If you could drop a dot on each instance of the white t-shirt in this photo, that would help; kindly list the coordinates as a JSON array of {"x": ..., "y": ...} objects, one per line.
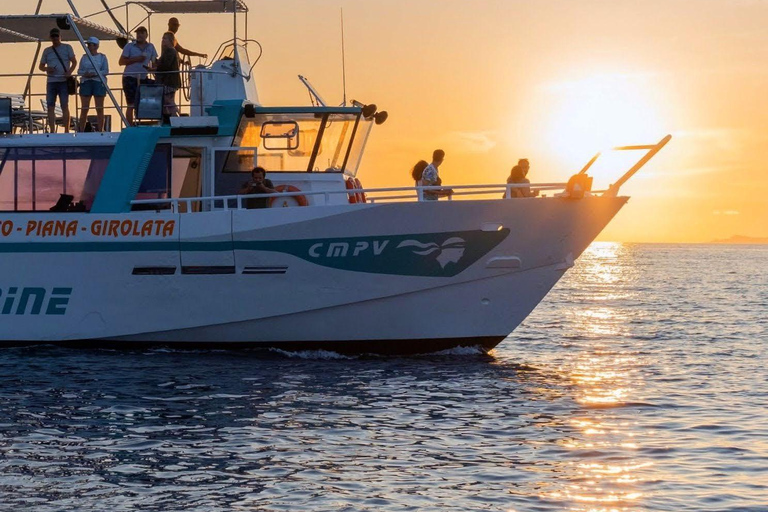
[
  {"x": 136, "y": 69},
  {"x": 86, "y": 67},
  {"x": 50, "y": 59}
]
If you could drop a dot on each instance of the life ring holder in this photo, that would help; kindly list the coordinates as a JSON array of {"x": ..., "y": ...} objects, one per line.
[{"x": 302, "y": 200}]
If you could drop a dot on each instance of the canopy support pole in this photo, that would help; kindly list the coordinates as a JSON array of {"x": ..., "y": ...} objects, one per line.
[
  {"x": 28, "y": 87},
  {"x": 98, "y": 71},
  {"x": 114, "y": 18},
  {"x": 74, "y": 9}
]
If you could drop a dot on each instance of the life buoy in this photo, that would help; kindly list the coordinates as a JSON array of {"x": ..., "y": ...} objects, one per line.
[
  {"x": 360, "y": 195},
  {"x": 287, "y": 201},
  {"x": 350, "y": 184}
]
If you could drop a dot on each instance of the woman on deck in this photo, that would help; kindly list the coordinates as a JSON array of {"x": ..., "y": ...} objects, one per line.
[
  {"x": 91, "y": 84},
  {"x": 168, "y": 73}
]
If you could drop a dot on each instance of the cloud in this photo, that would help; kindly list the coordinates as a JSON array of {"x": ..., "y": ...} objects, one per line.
[{"x": 471, "y": 142}]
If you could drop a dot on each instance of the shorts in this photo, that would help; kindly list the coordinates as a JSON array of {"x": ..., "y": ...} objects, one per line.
[
  {"x": 93, "y": 88},
  {"x": 131, "y": 88},
  {"x": 53, "y": 89}
]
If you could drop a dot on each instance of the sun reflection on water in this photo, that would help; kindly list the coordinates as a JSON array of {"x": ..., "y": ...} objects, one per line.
[{"x": 602, "y": 472}]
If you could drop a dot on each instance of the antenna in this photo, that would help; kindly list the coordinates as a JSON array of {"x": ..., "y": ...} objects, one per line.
[
  {"x": 343, "y": 61},
  {"x": 314, "y": 95}
]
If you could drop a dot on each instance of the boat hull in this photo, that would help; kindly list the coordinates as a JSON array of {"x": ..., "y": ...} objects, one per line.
[{"x": 383, "y": 278}]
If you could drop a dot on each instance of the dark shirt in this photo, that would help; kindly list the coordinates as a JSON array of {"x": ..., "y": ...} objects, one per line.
[
  {"x": 169, "y": 61},
  {"x": 256, "y": 202}
]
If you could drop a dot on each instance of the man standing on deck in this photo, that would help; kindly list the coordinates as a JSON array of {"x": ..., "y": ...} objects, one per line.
[
  {"x": 173, "y": 26},
  {"x": 430, "y": 177},
  {"x": 137, "y": 57},
  {"x": 59, "y": 62}
]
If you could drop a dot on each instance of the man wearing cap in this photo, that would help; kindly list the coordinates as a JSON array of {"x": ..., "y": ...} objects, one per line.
[
  {"x": 59, "y": 62},
  {"x": 173, "y": 26},
  {"x": 137, "y": 57},
  {"x": 92, "y": 65}
]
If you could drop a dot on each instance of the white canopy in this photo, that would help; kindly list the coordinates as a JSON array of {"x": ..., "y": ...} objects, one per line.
[
  {"x": 191, "y": 6},
  {"x": 36, "y": 27}
]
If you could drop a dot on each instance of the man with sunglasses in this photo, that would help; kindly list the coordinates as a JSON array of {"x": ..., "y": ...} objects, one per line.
[{"x": 59, "y": 62}]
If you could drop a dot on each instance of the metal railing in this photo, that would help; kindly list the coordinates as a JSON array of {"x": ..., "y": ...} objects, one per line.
[
  {"x": 33, "y": 118},
  {"x": 499, "y": 191}
]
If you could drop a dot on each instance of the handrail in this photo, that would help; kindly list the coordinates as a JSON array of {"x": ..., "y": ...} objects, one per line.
[
  {"x": 238, "y": 198},
  {"x": 35, "y": 119}
]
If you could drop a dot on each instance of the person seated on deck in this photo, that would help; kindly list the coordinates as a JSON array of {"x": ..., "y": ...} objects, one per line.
[
  {"x": 258, "y": 184},
  {"x": 518, "y": 175}
]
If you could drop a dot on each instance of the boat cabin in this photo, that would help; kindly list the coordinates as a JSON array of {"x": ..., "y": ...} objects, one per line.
[{"x": 306, "y": 151}]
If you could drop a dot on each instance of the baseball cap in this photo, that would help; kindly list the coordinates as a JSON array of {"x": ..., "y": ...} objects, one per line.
[
  {"x": 93, "y": 40},
  {"x": 173, "y": 21},
  {"x": 142, "y": 29},
  {"x": 54, "y": 32}
]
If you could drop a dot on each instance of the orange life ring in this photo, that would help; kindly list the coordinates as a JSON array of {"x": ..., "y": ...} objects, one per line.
[
  {"x": 301, "y": 200},
  {"x": 350, "y": 185},
  {"x": 360, "y": 195}
]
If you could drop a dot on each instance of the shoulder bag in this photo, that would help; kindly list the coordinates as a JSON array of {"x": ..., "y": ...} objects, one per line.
[{"x": 71, "y": 81}]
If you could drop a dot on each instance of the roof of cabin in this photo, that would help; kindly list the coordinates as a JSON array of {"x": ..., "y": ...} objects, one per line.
[{"x": 190, "y": 6}]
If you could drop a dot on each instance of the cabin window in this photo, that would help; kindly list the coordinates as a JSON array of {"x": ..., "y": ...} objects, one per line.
[
  {"x": 291, "y": 142},
  {"x": 33, "y": 178},
  {"x": 356, "y": 149}
]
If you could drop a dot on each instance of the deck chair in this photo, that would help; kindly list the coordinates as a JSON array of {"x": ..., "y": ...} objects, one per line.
[
  {"x": 24, "y": 120},
  {"x": 60, "y": 115}
]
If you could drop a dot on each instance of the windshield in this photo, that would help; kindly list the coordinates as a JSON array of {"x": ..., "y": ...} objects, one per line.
[{"x": 297, "y": 142}]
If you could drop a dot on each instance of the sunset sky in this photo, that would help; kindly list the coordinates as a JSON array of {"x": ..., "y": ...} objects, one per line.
[{"x": 554, "y": 81}]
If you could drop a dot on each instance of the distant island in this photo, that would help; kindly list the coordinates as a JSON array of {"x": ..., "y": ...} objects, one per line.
[{"x": 740, "y": 239}]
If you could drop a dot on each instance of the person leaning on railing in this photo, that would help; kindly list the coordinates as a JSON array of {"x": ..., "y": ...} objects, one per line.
[{"x": 91, "y": 84}]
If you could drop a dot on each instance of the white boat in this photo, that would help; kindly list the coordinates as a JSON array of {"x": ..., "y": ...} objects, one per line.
[{"x": 155, "y": 246}]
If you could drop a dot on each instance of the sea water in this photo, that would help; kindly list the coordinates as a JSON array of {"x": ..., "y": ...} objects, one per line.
[{"x": 640, "y": 383}]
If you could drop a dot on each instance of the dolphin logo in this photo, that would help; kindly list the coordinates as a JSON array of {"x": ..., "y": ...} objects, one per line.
[{"x": 450, "y": 251}]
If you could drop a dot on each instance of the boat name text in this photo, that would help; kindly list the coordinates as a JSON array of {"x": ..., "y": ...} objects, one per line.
[
  {"x": 341, "y": 249},
  {"x": 112, "y": 228},
  {"x": 34, "y": 301}
]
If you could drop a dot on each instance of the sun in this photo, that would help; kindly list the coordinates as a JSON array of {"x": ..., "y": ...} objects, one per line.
[{"x": 599, "y": 112}]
